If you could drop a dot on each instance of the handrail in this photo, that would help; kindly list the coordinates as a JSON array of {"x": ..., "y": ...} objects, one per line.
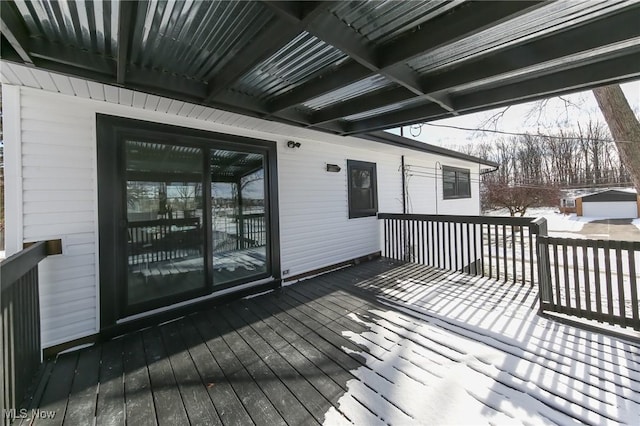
[
  {"x": 493, "y": 246},
  {"x": 21, "y": 351},
  {"x": 477, "y": 220},
  {"x": 18, "y": 264}
]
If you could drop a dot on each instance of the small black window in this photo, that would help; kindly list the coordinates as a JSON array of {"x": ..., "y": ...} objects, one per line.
[
  {"x": 363, "y": 189},
  {"x": 456, "y": 183}
]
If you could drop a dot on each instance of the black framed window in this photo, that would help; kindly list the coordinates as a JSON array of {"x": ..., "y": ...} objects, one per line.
[
  {"x": 363, "y": 189},
  {"x": 456, "y": 183}
]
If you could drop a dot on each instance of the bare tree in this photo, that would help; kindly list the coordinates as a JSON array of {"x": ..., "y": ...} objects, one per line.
[
  {"x": 624, "y": 127},
  {"x": 519, "y": 198}
]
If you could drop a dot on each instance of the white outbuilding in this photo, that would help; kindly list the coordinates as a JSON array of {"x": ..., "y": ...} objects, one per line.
[{"x": 611, "y": 204}]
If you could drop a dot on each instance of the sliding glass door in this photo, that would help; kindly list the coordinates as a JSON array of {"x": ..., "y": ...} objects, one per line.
[{"x": 183, "y": 214}]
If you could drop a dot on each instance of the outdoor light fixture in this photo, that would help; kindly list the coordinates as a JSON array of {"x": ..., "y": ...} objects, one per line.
[
  {"x": 292, "y": 144},
  {"x": 333, "y": 168}
]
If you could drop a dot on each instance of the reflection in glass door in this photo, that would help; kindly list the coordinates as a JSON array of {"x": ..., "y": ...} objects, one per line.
[
  {"x": 239, "y": 225},
  {"x": 165, "y": 233}
]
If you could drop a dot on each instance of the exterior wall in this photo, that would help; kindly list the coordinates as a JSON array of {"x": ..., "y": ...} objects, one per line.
[
  {"x": 567, "y": 210},
  {"x": 315, "y": 227},
  {"x": 424, "y": 186},
  {"x": 53, "y": 138},
  {"x": 579, "y": 206}
]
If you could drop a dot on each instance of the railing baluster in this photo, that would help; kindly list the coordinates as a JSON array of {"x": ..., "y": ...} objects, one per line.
[
  {"x": 396, "y": 239},
  {"x": 391, "y": 238},
  {"x": 432, "y": 239},
  {"x": 558, "y": 301},
  {"x": 633, "y": 282},
  {"x": 565, "y": 262},
  {"x": 424, "y": 243},
  {"x": 596, "y": 272},
  {"x": 441, "y": 240},
  {"x": 607, "y": 265},
  {"x": 576, "y": 280},
  {"x": 482, "y": 248},
  {"x": 385, "y": 223},
  {"x": 448, "y": 261},
  {"x": 456, "y": 248},
  {"x": 468, "y": 240},
  {"x": 497, "y": 235},
  {"x": 504, "y": 253},
  {"x": 522, "y": 254},
  {"x": 513, "y": 253},
  {"x": 621, "y": 292},
  {"x": 531, "y": 258},
  {"x": 475, "y": 250},
  {"x": 417, "y": 242},
  {"x": 585, "y": 270},
  {"x": 490, "y": 250}
]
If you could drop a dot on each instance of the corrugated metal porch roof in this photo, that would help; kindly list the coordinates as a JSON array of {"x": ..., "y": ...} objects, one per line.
[{"x": 344, "y": 67}]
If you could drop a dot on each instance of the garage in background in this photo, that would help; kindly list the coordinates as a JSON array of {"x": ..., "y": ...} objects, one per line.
[{"x": 611, "y": 204}]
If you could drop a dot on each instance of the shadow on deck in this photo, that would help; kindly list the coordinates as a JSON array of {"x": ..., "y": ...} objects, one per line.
[{"x": 380, "y": 342}]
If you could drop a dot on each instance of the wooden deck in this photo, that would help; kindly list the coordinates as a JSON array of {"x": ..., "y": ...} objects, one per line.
[{"x": 378, "y": 343}]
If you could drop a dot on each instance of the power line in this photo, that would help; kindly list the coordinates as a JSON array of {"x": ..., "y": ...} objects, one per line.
[
  {"x": 502, "y": 132},
  {"x": 526, "y": 182}
]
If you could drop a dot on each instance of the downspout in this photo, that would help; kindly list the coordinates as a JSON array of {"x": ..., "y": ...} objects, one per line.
[
  {"x": 404, "y": 186},
  {"x": 436, "y": 167},
  {"x": 405, "y": 246}
]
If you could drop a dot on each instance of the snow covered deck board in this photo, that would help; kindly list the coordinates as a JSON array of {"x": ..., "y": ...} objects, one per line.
[{"x": 378, "y": 343}]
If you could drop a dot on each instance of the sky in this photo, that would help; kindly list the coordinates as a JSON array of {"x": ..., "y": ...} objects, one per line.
[{"x": 515, "y": 119}]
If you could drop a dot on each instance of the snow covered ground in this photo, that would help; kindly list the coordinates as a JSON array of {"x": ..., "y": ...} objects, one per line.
[
  {"x": 558, "y": 224},
  {"x": 464, "y": 350}
]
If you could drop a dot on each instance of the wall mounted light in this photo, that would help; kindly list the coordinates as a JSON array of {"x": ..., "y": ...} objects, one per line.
[
  {"x": 292, "y": 144},
  {"x": 333, "y": 168}
]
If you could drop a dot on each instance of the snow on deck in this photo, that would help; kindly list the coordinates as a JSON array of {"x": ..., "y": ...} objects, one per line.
[
  {"x": 377, "y": 343},
  {"x": 456, "y": 349}
]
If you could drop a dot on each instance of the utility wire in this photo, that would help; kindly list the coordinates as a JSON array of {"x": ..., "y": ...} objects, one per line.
[
  {"x": 528, "y": 182},
  {"x": 502, "y": 132}
]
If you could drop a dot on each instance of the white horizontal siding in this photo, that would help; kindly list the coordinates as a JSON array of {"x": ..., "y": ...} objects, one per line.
[
  {"x": 314, "y": 218},
  {"x": 59, "y": 196},
  {"x": 424, "y": 186}
]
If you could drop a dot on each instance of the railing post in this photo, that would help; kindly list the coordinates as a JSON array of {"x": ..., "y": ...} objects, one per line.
[{"x": 544, "y": 265}]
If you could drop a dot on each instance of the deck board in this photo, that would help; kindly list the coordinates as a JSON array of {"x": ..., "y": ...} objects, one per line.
[
  {"x": 82, "y": 401},
  {"x": 327, "y": 375},
  {"x": 319, "y": 387},
  {"x": 198, "y": 405},
  {"x": 261, "y": 411},
  {"x": 355, "y": 345},
  {"x": 227, "y": 404},
  {"x": 56, "y": 394},
  {"x": 262, "y": 370},
  {"x": 166, "y": 396},
  {"x": 139, "y": 404},
  {"x": 110, "y": 409},
  {"x": 293, "y": 379}
]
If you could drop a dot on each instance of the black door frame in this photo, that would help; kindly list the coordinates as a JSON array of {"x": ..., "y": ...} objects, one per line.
[{"x": 111, "y": 131}]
